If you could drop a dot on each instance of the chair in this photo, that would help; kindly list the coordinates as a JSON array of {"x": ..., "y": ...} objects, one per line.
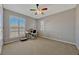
[{"x": 33, "y": 34}]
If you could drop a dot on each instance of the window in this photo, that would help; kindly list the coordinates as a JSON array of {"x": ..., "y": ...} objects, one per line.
[
  {"x": 17, "y": 26},
  {"x": 21, "y": 27},
  {"x": 13, "y": 27}
]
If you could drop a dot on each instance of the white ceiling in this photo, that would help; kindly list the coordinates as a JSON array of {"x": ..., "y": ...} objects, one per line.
[{"x": 52, "y": 9}]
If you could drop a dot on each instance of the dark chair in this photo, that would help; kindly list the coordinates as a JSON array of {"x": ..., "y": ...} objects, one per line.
[{"x": 34, "y": 31}]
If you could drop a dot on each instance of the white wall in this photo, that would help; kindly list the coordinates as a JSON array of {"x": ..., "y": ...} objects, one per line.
[
  {"x": 60, "y": 26},
  {"x": 1, "y": 24},
  {"x": 77, "y": 26}
]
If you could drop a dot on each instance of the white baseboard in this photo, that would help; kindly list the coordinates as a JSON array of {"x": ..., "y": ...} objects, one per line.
[
  {"x": 58, "y": 40},
  {"x": 11, "y": 41},
  {"x": 47, "y": 38}
]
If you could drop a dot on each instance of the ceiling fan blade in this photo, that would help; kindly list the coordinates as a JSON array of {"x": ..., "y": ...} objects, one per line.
[
  {"x": 32, "y": 9},
  {"x": 44, "y": 9}
]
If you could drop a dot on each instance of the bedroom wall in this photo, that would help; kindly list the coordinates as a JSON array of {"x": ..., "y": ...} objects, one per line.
[
  {"x": 60, "y": 26},
  {"x": 1, "y": 28},
  {"x": 30, "y": 23},
  {"x": 77, "y": 26}
]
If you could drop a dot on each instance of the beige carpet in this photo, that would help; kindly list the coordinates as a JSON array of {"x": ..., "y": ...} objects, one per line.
[{"x": 39, "y": 46}]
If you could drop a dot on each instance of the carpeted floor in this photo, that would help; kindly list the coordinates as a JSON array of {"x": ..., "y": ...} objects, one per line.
[{"x": 39, "y": 46}]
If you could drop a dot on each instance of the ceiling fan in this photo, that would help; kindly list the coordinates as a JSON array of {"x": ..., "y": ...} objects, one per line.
[{"x": 39, "y": 10}]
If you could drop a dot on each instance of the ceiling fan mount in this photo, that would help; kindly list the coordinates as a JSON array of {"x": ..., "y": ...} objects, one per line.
[{"x": 37, "y": 5}]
